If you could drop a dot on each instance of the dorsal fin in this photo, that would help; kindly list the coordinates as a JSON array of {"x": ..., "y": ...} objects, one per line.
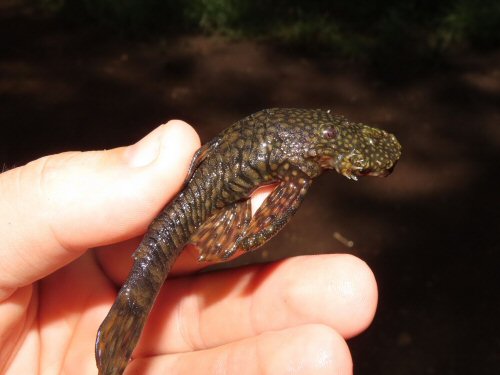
[{"x": 199, "y": 156}]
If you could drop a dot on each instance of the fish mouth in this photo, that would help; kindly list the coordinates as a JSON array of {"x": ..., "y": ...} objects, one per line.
[
  {"x": 353, "y": 165},
  {"x": 369, "y": 172}
]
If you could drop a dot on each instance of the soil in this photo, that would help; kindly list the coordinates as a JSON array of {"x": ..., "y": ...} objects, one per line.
[{"x": 428, "y": 231}]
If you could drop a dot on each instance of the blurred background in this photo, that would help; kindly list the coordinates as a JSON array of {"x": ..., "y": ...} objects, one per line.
[{"x": 95, "y": 74}]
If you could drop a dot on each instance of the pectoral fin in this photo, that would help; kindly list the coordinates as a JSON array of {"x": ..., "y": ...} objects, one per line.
[
  {"x": 275, "y": 211},
  {"x": 233, "y": 227},
  {"x": 217, "y": 238}
]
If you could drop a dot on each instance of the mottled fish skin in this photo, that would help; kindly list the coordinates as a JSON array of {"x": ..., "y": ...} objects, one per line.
[{"x": 289, "y": 147}]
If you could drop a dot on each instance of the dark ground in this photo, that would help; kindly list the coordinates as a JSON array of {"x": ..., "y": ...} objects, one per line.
[{"x": 428, "y": 231}]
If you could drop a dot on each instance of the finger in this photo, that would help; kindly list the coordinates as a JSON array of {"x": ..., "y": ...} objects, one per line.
[
  {"x": 116, "y": 259},
  {"x": 217, "y": 308},
  {"x": 306, "y": 349},
  {"x": 54, "y": 208}
]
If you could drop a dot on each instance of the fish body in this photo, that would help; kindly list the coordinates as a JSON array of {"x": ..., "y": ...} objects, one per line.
[{"x": 282, "y": 146}]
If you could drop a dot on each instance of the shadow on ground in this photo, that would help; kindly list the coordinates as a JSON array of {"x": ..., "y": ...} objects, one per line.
[{"x": 427, "y": 231}]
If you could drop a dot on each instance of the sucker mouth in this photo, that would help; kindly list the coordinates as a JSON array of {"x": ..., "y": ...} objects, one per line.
[
  {"x": 353, "y": 166},
  {"x": 343, "y": 165},
  {"x": 382, "y": 173}
]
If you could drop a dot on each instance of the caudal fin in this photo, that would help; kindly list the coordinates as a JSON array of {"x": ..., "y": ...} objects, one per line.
[
  {"x": 118, "y": 335},
  {"x": 120, "y": 331}
]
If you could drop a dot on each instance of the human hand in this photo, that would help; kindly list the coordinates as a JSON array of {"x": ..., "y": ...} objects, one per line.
[{"x": 291, "y": 316}]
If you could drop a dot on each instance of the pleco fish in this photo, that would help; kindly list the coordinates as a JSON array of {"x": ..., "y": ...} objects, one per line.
[{"x": 286, "y": 147}]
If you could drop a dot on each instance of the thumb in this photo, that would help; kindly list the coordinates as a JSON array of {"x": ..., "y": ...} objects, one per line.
[{"x": 56, "y": 207}]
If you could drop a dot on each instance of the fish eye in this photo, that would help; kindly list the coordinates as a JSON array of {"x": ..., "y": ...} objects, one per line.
[{"x": 330, "y": 133}]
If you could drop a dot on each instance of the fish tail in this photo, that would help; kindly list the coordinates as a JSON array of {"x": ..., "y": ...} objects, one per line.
[
  {"x": 120, "y": 331},
  {"x": 117, "y": 337}
]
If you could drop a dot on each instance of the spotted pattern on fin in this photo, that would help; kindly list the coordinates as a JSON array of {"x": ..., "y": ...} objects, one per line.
[
  {"x": 217, "y": 238},
  {"x": 276, "y": 210}
]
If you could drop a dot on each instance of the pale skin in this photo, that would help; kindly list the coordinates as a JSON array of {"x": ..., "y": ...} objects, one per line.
[{"x": 68, "y": 224}]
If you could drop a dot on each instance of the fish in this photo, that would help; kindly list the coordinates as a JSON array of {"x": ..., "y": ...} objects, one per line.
[{"x": 283, "y": 147}]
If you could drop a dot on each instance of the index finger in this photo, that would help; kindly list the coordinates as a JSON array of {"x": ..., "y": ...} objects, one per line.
[{"x": 53, "y": 209}]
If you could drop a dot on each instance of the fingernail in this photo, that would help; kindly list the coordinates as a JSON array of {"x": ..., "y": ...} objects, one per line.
[{"x": 145, "y": 151}]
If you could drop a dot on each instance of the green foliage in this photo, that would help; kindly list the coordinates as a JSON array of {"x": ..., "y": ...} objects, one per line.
[
  {"x": 360, "y": 29},
  {"x": 470, "y": 21},
  {"x": 214, "y": 15}
]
